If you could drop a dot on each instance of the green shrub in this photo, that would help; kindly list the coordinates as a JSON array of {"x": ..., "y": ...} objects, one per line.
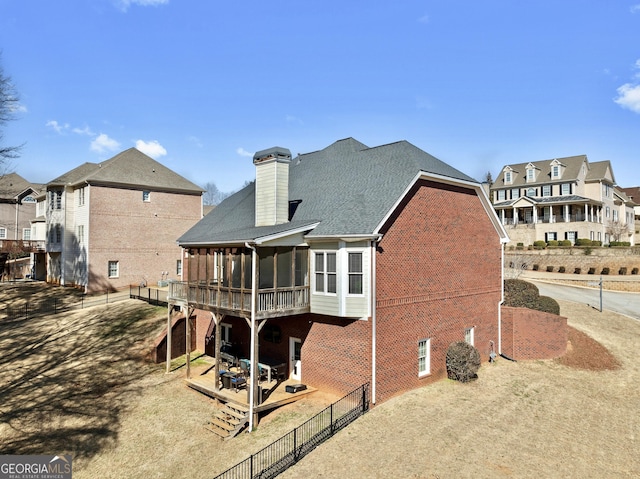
[
  {"x": 463, "y": 362},
  {"x": 619, "y": 243},
  {"x": 552, "y": 243},
  {"x": 634, "y": 271},
  {"x": 564, "y": 243},
  {"x": 535, "y": 267},
  {"x": 622, "y": 270},
  {"x": 539, "y": 244},
  {"x": 588, "y": 250},
  {"x": 583, "y": 242},
  {"x": 605, "y": 270},
  {"x": 592, "y": 271},
  {"x": 578, "y": 270},
  {"x": 596, "y": 243},
  {"x": 520, "y": 294},
  {"x": 561, "y": 269},
  {"x": 548, "y": 305},
  {"x": 520, "y": 244},
  {"x": 549, "y": 269}
]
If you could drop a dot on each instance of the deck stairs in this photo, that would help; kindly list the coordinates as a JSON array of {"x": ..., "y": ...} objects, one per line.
[{"x": 229, "y": 420}]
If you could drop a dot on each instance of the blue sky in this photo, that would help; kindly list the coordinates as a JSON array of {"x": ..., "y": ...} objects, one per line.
[{"x": 200, "y": 85}]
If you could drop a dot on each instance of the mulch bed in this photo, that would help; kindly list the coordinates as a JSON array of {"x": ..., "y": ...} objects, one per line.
[{"x": 584, "y": 352}]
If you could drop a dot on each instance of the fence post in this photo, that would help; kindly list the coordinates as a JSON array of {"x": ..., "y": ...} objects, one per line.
[
  {"x": 331, "y": 417},
  {"x": 295, "y": 445},
  {"x": 364, "y": 399},
  {"x": 107, "y": 296},
  {"x": 55, "y": 305}
]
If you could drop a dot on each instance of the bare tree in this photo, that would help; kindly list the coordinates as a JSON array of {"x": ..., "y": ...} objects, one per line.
[
  {"x": 9, "y": 104},
  {"x": 212, "y": 195},
  {"x": 515, "y": 263},
  {"x": 616, "y": 229}
]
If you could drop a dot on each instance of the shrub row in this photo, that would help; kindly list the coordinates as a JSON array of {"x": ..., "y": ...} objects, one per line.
[
  {"x": 521, "y": 294},
  {"x": 605, "y": 270}
]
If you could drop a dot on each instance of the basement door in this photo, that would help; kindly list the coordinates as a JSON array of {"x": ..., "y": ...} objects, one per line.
[{"x": 295, "y": 364}]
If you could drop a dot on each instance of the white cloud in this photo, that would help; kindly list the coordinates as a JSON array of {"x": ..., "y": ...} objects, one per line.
[
  {"x": 83, "y": 131},
  {"x": 57, "y": 127},
  {"x": 151, "y": 148},
  {"x": 242, "y": 152},
  {"x": 124, "y": 5},
  {"x": 102, "y": 143},
  {"x": 629, "y": 97},
  {"x": 635, "y": 8}
]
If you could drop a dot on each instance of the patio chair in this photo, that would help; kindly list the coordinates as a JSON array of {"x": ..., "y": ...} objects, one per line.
[{"x": 238, "y": 381}]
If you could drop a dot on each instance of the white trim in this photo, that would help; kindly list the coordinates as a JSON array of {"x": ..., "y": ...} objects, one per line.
[{"x": 427, "y": 357}]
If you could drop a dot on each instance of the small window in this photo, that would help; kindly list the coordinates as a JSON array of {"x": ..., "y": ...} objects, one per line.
[
  {"x": 546, "y": 190},
  {"x": 515, "y": 193},
  {"x": 80, "y": 234},
  {"x": 3, "y": 233},
  {"x": 555, "y": 171},
  {"x": 179, "y": 267},
  {"x": 615, "y": 215},
  {"x": 272, "y": 333},
  {"x": 507, "y": 177},
  {"x": 146, "y": 196},
  {"x": 355, "y": 273},
  {"x": 424, "y": 357},
  {"x": 81, "y": 196},
  {"x": 565, "y": 189},
  {"x": 607, "y": 212},
  {"x": 531, "y": 174},
  {"x": 58, "y": 234},
  {"x": 325, "y": 266},
  {"x": 114, "y": 269},
  {"x": 501, "y": 195},
  {"x": 26, "y": 234},
  {"x": 469, "y": 335},
  {"x": 531, "y": 192},
  {"x": 58, "y": 200}
]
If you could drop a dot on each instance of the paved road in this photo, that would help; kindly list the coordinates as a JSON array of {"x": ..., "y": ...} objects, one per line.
[{"x": 624, "y": 303}]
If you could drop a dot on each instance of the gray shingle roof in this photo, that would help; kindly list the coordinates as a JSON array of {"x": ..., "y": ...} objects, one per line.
[
  {"x": 128, "y": 168},
  {"x": 12, "y": 184},
  {"x": 347, "y": 188}
]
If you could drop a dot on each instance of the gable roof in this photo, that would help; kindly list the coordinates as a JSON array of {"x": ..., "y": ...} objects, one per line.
[
  {"x": 571, "y": 164},
  {"x": 12, "y": 186},
  {"x": 130, "y": 168},
  {"x": 345, "y": 189},
  {"x": 633, "y": 193}
]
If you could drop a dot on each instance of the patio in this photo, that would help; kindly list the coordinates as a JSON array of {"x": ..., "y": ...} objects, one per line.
[{"x": 274, "y": 391}]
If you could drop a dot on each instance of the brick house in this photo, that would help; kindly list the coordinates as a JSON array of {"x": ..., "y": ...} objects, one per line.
[
  {"x": 561, "y": 199},
  {"x": 17, "y": 210},
  {"x": 112, "y": 224},
  {"x": 349, "y": 264}
]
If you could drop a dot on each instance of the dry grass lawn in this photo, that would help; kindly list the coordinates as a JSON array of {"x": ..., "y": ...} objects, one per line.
[{"x": 76, "y": 383}]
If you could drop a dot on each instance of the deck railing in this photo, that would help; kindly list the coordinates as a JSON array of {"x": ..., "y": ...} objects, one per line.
[{"x": 239, "y": 299}]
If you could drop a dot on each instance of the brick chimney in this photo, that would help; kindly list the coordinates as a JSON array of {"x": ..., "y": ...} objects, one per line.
[{"x": 272, "y": 186}]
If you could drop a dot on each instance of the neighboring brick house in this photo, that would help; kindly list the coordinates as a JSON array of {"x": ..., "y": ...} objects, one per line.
[
  {"x": 17, "y": 209},
  {"x": 368, "y": 264},
  {"x": 560, "y": 199},
  {"x": 112, "y": 224}
]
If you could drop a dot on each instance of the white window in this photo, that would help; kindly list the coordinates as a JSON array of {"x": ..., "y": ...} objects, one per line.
[
  {"x": 146, "y": 196},
  {"x": 58, "y": 200},
  {"x": 546, "y": 190},
  {"x": 551, "y": 236},
  {"x": 515, "y": 193},
  {"x": 531, "y": 174},
  {"x": 80, "y": 234},
  {"x": 531, "y": 192},
  {"x": 615, "y": 215},
  {"x": 114, "y": 269},
  {"x": 571, "y": 236},
  {"x": 424, "y": 357},
  {"x": 81, "y": 196},
  {"x": 3, "y": 233},
  {"x": 502, "y": 195},
  {"x": 607, "y": 212},
  {"x": 26, "y": 234},
  {"x": 325, "y": 272},
  {"x": 555, "y": 171},
  {"x": 179, "y": 268},
  {"x": 355, "y": 273},
  {"x": 468, "y": 335},
  {"x": 507, "y": 177},
  {"x": 565, "y": 189}
]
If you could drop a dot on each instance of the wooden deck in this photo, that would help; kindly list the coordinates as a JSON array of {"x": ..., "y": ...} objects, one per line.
[{"x": 274, "y": 393}]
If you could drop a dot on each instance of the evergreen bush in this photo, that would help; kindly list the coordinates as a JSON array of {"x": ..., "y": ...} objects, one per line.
[{"x": 463, "y": 362}]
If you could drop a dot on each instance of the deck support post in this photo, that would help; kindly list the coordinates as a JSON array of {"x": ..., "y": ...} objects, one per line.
[
  {"x": 169, "y": 307},
  {"x": 188, "y": 339},
  {"x": 218, "y": 342}
]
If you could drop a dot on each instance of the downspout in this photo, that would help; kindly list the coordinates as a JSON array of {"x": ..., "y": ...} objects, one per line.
[
  {"x": 502, "y": 244},
  {"x": 373, "y": 321},
  {"x": 252, "y": 358}
]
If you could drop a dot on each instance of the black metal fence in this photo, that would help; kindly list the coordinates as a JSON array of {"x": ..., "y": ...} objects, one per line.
[
  {"x": 153, "y": 296},
  {"x": 31, "y": 309},
  {"x": 290, "y": 448}
]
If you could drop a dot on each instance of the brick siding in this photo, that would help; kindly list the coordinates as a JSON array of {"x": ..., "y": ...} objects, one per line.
[{"x": 530, "y": 334}]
